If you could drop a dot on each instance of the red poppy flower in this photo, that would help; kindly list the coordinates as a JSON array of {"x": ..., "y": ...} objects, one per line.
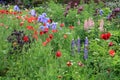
[
  {"x": 112, "y": 52},
  {"x": 105, "y": 36},
  {"x": 62, "y": 25},
  {"x": 58, "y": 54},
  {"x": 69, "y": 63},
  {"x": 25, "y": 39},
  {"x": 108, "y": 35},
  {"x": 50, "y": 36}
]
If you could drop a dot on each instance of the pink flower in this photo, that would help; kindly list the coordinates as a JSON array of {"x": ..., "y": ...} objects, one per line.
[{"x": 85, "y": 25}]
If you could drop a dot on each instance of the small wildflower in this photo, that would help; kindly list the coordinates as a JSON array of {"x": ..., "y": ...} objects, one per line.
[
  {"x": 25, "y": 39},
  {"x": 58, "y": 54},
  {"x": 112, "y": 52}
]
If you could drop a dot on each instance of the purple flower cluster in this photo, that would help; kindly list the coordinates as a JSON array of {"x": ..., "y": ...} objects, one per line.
[
  {"x": 47, "y": 23},
  {"x": 75, "y": 44},
  {"x": 114, "y": 13},
  {"x": 43, "y": 18}
]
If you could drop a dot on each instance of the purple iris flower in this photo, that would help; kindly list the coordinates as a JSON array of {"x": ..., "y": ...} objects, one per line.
[
  {"x": 16, "y": 8},
  {"x": 86, "y": 48}
]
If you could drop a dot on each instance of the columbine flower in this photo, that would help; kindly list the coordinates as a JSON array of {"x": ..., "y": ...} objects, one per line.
[
  {"x": 54, "y": 26},
  {"x": 42, "y": 28},
  {"x": 86, "y": 48},
  {"x": 32, "y": 12},
  {"x": 16, "y": 8}
]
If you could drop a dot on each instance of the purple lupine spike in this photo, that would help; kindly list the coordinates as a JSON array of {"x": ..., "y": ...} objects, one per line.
[
  {"x": 72, "y": 46},
  {"x": 101, "y": 12},
  {"x": 86, "y": 48},
  {"x": 33, "y": 12},
  {"x": 78, "y": 45}
]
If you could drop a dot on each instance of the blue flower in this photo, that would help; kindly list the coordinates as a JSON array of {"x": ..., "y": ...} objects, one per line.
[
  {"x": 53, "y": 25},
  {"x": 32, "y": 12},
  {"x": 42, "y": 28},
  {"x": 44, "y": 14},
  {"x": 16, "y": 8}
]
